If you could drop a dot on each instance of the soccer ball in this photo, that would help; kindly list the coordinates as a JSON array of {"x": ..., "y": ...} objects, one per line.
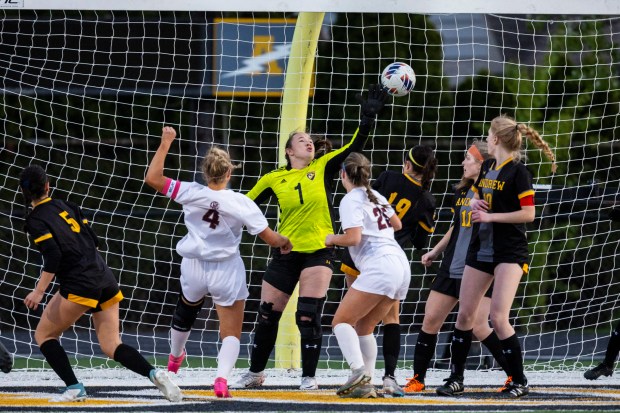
[{"x": 398, "y": 79}]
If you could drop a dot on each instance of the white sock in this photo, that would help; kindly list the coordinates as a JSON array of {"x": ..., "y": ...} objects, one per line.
[
  {"x": 349, "y": 345},
  {"x": 368, "y": 345},
  {"x": 227, "y": 357},
  {"x": 177, "y": 341}
]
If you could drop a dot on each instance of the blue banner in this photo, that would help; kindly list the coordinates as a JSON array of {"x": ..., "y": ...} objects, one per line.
[{"x": 250, "y": 56}]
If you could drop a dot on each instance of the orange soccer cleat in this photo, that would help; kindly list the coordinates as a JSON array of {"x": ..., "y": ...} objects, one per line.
[{"x": 414, "y": 385}]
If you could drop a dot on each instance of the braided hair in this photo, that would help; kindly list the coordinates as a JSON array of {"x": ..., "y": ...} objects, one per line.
[
  {"x": 32, "y": 182},
  {"x": 357, "y": 167},
  {"x": 510, "y": 133}
]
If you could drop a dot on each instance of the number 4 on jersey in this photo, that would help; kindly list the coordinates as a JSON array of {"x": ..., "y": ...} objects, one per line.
[{"x": 212, "y": 217}]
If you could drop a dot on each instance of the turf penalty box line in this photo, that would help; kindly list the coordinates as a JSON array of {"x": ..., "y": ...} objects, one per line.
[
  {"x": 135, "y": 399},
  {"x": 476, "y": 398}
]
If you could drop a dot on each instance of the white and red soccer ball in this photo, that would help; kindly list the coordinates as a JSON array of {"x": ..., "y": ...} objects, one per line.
[{"x": 398, "y": 79}]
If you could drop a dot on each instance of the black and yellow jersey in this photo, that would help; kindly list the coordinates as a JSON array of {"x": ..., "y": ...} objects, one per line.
[
  {"x": 453, "y": 261},
  {"x": 414, "y": 206},
  {"x": 503, "y": 187},
  {"x": 305, "y": 196},
  {"x": 68, "y": 244}
]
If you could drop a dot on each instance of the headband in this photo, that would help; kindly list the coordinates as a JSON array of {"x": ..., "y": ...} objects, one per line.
[
  {"x": 475, "y": 152},
  {"x": 413, "y": 160}
]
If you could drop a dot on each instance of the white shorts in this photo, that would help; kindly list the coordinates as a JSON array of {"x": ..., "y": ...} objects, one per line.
[
  {"x": 223, "y": 280},
  {"x": 387, "y": 275}
]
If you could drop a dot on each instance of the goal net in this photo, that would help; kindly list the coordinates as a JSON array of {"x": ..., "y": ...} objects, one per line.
[{"x": 85, "y": 94}]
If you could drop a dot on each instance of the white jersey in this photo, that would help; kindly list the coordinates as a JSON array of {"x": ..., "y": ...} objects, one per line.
[
  {"x": 214, "y": 219},
  {"x": 356, "y": 210}
]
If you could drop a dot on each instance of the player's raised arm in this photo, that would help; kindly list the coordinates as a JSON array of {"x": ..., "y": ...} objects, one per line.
[
  {"x": 155, "y": 174},
  {"x": 370, "y": 107}
]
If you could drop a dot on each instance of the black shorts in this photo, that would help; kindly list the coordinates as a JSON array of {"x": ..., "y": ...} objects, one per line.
[
  {"x": 284, "y": 270},
  {"x": 96, "y": 299},
  {"x": 489, "y": 267},
  {"x": 452, "y": 286}
]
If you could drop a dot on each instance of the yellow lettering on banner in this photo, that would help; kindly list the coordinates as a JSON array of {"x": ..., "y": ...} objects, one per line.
[{"x": 262, "y": 46}]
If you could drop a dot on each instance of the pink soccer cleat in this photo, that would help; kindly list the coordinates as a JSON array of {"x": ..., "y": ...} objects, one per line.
[
  {"x": 220, "y": 387},
  {"x": 174, "y": 363}
]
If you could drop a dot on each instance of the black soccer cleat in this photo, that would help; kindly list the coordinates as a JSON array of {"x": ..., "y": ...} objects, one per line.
[
  {"x": 516, "y": 390},
  {"x": 452, "y": 387},
  {"x": 598, "y": 371}
]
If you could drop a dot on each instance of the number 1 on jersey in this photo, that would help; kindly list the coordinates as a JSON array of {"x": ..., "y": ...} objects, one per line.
[{"x": 301, "y": 196}]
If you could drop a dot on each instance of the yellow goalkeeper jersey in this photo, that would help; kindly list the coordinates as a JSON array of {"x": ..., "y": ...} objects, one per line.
[{"x": 305, "y": 196}]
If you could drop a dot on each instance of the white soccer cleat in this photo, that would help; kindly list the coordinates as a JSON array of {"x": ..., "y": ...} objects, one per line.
[
  {"x": 358, "y": 378},
  {"x": 308, "y": 383},
  {"x": 73, "y": 393},
  {"x": 390, "y": 386},
  {"x": 170, "y": 390},
  {"x": 365, "y": 391},
  {"x": 249, "y": 380}
]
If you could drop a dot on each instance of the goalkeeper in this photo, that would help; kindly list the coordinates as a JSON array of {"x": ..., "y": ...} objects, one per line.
[{"x": 304, "y": 193}]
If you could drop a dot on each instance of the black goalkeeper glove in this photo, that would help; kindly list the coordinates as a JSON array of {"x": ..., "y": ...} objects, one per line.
[
  {"x": 6, "y": 361},
  {"x": 374, "y": 103}
]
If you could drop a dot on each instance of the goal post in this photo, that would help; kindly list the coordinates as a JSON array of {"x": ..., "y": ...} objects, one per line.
[{"x": 295, "y": 95}]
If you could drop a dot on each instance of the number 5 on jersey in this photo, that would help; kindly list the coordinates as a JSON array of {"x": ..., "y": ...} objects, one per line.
[{"x": 75, "y": 227}]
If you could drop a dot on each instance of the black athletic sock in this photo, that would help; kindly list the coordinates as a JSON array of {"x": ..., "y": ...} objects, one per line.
[
  {"x": 494, "y": 345},
  {"x": 132, "y": 359},
  {"x": 310, "y": 353},
  {"x": 391, "y": 348},
  {"x": 423, "y": 354},
  {"x": 264, "y": 341},
  {"x": 613, "y": 347},
  {"x": 57, "y": 358},
  {"x": 461, "y": 343},
  {"x": 512, "y": 351}
]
